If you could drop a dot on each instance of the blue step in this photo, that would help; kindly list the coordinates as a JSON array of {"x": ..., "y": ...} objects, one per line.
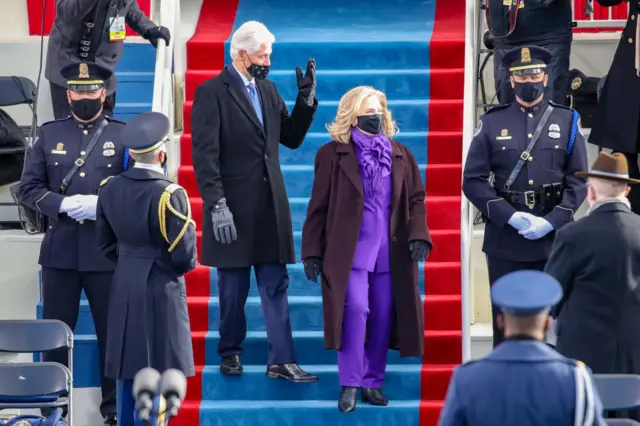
[
  {"x": 306, "y": 154},
  {"x": 410, "y": 115},
  {"x": 137, "y": 57},
  {"x": 134, "y": 87},
  {"x": 135, "y": 73},
  {"x": 402, "y": 382},
  {"x": 307, "y": 413},
  {"x": 397, "y": 84}
]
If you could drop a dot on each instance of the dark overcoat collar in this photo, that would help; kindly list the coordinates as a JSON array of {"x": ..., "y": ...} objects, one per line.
[{"x": 239, "y": 94}]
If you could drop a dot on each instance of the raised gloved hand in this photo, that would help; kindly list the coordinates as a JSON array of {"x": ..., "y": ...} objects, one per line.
[
  {"x": 419, "y": 250},
  {"x": 224, "y": 230},
  {"x": 538, "y": 229},
  {"x": 307, "y": 84},
  {"x": 87, "y": 205},
  {"x": 156, "y": 33},
  {"x": 521, "y": 220},
  {"x": 312, "y": 268}
]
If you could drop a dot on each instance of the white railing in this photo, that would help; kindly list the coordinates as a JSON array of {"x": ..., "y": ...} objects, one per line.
[
  {"x": 472, "y": 45},
  {"x": 163, "y": 88},
  {"x": 596, "y": 20}
]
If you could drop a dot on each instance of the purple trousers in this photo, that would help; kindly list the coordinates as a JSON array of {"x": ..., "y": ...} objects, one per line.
[{"x": 368, "y": 310}]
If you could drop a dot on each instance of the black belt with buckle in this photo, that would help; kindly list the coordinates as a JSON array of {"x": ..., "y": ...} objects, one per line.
[{"x": 549, "y": 196}]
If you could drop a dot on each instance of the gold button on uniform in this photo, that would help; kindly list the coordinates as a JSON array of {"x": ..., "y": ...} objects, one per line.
[
  {"x": 55, "y": 164},
  {"x": 530, "y": 158},
  {"x": 556, "y": 147},
  {"x": 529, "y": 135},
  {"x": 633, "y": 17},
  {"x": 530, "y": 182},
  {"x": 82, "y": 174},
  {"x": 82, "y": 222},
  {"x": 530, "y": 115},
  {"x": 630, "y": 40},
  {"x": 82, "y": 153},
  {"x": 108, "y": 165},
  {"x": 85, "y": 132}
]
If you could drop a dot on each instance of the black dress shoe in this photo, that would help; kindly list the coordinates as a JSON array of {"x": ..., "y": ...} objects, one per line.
[
  {"x": 348, "y": 397},
  {"x": 374, "y": 397},
  {"x": 290, "y": 371},
  {"x": 111, "y": 420},
  {"x": 231, "y": 365}
]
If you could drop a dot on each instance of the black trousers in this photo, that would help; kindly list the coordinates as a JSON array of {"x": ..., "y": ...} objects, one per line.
[
  {"x": 61, "y": 292},
  {"x": 498, "y": 268},
  {"x": 233, "y": 288},
  {"x": 62, "y": 109}
]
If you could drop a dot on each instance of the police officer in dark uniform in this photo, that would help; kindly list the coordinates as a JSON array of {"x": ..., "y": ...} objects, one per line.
[
  {"x": 144, "y": 224},
  {"x": 533, "y": 148},
  {"x": 61, "y": 179},
  {"x": 523, "y": 382},
  {"x": 616, "y": 124}
]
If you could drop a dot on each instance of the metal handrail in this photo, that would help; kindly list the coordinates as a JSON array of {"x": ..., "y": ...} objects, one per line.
[
  {"x": 163, "y": 87},
  {"x": 472, "y": 46}
]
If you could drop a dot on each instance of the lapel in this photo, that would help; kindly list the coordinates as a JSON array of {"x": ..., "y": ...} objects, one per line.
[
  {"x": 239, "y": 95},
  {"x": 349, "y": 164},
  {"x": 397, "y": 173},
  {"x": 262, "y": 91}
]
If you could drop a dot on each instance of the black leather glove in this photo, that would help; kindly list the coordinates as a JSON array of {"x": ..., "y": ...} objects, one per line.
[
  {"x": 307, "y": 84},
  {"x": 156, "y": 33},
  {"x": 224, "y": 230},
  {"x": 419, "y": 250},
  {"x": 312, "y": 268}
]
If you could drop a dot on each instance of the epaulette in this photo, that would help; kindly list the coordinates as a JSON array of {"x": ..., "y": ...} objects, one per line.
[
  {"x": 114, "y": 120},
  {"x": 55, "y": 121},
  {"x": 555, "y": 105},
  {"x": 104, "y": 181},
  {"x": 497, "y": 108},
  {"x": 172, "y": 188}
]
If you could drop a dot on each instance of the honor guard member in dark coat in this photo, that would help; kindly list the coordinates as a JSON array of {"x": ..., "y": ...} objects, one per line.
[
  {"x": 61, "y": 179},
  {"x": 616, "y": 124},
  {"x": 532, "y": 148},
  {"x": 523, "y": 382},
  {"x": 144, "y": 224}
]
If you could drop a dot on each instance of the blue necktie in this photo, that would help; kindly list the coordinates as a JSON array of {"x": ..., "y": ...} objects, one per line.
[{"x": 255, "y": 100}]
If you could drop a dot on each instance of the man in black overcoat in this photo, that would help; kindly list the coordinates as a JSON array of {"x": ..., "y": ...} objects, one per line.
[
  {"x": 597, "y": 261},
  {"x": 144, "y": 224},
  {"x": 238, "y": 122},
  {"x": 617, "y": 118}
]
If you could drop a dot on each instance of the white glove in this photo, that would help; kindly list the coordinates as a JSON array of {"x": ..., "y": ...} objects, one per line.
[
  {"x": 87, "y": 210},
  {"x": 69, "y": 203},
  {"x": 538, "y": 229},
  {"x": 521, "y": 220}
]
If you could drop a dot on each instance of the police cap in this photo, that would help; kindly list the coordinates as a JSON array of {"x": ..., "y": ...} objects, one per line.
[
  {"x": 526, "y": 293},
  {"x": 85, "y": 76},
  {"x": 145, "y": 132},
  {"x": 529, "y": 60}
]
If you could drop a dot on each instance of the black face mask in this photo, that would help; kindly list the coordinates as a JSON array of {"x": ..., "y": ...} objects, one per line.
[
  {"x": 370, "y": 123},
  {"x": 86, "y": 109},
  {"x": 258, "y": 72},
  {"x": 529, "y": 92}
]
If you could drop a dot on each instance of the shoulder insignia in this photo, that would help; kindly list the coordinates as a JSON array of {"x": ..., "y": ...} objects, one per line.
[
  {"x": 46, "y": 123},
  {"x": 497, "y": 108},
  {"x": 104, "y": 181},
  {"x": 555, "y": 105},
  {"x": 172, "y": 188}
]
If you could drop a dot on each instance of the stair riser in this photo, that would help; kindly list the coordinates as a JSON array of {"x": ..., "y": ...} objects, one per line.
[
  {"x": 306, "y": 154},
  {"x": 254, "y": 386},
  {"x": 137, "y": 57},
  {"x": 444, "y": 181},
  {"x": 340, "y": 56},
  {"x": 442, "y": 214},
  {"x": 397, "y": 85},
  {"x": 135, "y": 90},
  {"x": 434, "y": 384},
  {"x": 409, "y": 117}
]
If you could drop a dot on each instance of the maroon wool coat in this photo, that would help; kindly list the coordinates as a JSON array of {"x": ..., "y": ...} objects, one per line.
[{"x": 331, "y": 232}]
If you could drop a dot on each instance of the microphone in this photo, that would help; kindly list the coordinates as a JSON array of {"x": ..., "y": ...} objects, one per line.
[
  {"x": 173, "y": 388},
  {"x": 145, "y": 387}
]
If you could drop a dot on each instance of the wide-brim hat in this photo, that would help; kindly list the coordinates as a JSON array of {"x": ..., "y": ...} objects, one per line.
[{"x": 609, "y": 167}]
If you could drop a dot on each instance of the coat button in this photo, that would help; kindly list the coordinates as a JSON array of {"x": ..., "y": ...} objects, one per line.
[
  {"x": 530, "y": 158},
  {"x": 633, "y": 17},
  {"x": 82, "y": 174},
  {"x": 82, "y": 153},
  {"x": 556, "y": 147},
  {"x": 394, "y": 239},
  {"x": 55, "y": 164},
  {"x": 266, "y": 179},
  {"x": 630, "y": 40},
  {"x": 108, "y": 165},
  {"x": 266, "y": 157},
  {"x": 82, "y": 222},
  {"x": 504, "y": 147},
  {"x": 530, "y": 182},
  {"x": 50, "y": 227},
  {"x": 530, "y": 115},
  {"x": 529, "y": 135}
]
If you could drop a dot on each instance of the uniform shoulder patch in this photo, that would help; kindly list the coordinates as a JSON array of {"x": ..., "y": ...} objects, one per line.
[
  {"x": 46, "y": 123},
  {"x": 497, "y": 108},
  {"x": 172, "y": 188},
  {"x": 104, "y": 181}
]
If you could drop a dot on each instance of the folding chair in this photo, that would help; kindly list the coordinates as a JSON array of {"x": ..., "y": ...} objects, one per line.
[
  {"x": 622, "y": 422},
  {"x": 618, "y": 391},
  {"x": 36, "y": 384}
]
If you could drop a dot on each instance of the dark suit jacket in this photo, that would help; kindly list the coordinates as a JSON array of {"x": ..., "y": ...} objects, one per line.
[
  {"x": 597, "y": 261},
  {"x": 236, "y": 157}
]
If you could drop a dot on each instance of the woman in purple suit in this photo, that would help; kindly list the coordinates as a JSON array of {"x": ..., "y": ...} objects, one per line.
[{"x": 364, "y": 234}]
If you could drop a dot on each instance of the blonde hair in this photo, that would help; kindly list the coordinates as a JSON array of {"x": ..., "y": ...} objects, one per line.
[{"x": 340, "y": 129}]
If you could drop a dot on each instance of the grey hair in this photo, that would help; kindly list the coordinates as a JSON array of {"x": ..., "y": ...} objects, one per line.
[
  {"x": 608, "y": 188},
  {"x": 250, "y": 37},
  {"x": 148, "y": 157}
]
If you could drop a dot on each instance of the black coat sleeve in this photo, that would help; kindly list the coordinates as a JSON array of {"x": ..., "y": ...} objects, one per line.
[
  {"x": 561, "y": 266},
  {"x": 137, "y": 20},
  {"x": 294, "y": 127},
  {"x": 205, "y": 132},
  {"x": 609, "y": 3}
]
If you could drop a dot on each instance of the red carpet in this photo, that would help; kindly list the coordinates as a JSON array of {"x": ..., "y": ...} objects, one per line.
[{"x": 443, "y": 318}]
